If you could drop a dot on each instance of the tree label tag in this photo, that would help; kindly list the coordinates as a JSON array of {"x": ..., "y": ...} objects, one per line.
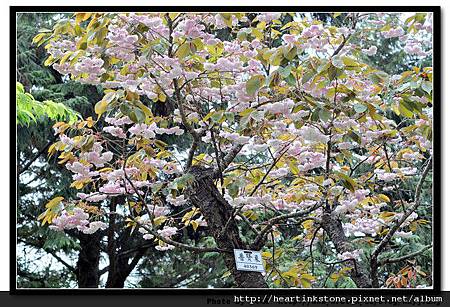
[{"x": 248, "y": 260}]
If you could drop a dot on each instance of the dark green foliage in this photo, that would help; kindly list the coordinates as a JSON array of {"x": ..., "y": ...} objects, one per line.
[{"x": 39, "y": 177}]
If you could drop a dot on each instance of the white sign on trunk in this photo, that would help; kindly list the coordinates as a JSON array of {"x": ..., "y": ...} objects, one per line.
[{"x": 248, "y": 260}]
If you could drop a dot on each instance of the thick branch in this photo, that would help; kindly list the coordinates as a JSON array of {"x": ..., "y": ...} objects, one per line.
[
  {"x": 229, "y": 157},
  {"x": 259, "y": 240},
  {"x": 405, "y": 257},
  {"x": 195, "y": 249}
]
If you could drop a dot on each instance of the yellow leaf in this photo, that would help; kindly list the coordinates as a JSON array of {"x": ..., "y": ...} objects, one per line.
[
  {"x": 266, "y": 255},
  {"x": 50, "y": 60},
  {"x": 38, "y": 38},
  {"x": 105, "y": 169},
  {"x": 162, "y": 97},
  {"x": 80, "y": 17},
  {"x": 307, "y": 224},
  {"x": 386, "y": 215},
  {"x": 198, "y": 159},
  {"x": 194, "y": 224},
  {"x": 54, "y": 202},
  {"x": 384, "y": 198},
  {"x": 90, "y": 122},
  {"x": 100, "y": 107},
  {"x": 77, "y": 184},
  {"x": 173, "y": 16},
  {"x": 189, "y": 215},
  {"x": 52, "y": 210},
  {"x": 159, "y": 220},
  {"x": 308, "y": 276},
  {"x": 51, "y": 149},
  {"x": 305, "y": 283}
]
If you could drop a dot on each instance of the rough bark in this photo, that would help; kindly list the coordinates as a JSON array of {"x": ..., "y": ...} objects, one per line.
[
  {"x": 120, "y": 271},
  {"x": 222, "y": 227},
  {"x": 120, "y": 265},
  {"x": 88, "y": 261},
  {"x": 333, "y": 227}
]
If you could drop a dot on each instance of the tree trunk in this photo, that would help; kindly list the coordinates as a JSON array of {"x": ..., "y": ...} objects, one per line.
[
  {"x": 221, "y": 225},
  {"x": 120, "y": 266},
  {"x": 88, "y": 260},
  {"x": 119, "y": 240},
  {"x": 333, "y": 227},
  {"x": 118, "y": 273}
]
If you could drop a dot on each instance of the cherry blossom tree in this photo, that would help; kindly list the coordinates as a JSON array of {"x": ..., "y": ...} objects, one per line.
[{"x": 297, "y": 146}]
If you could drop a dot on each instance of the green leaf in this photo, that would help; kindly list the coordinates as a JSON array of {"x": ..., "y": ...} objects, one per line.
[
  {"x": 337, "y": 62},
  {"x": 347, "y": 182},
  {"x": 254, "y": 84},
  {"x": 324, "y": 115},
  {"x": 404, "y": 109},
  {"x": 183, "y": 51},
  {"x": 360, "y": 108},
  {"x": 427, "y": 86},
  {"x": 285, "y": 71},
  {"x": 140, "y": 115},
  {"x": 217, "y": 116},
  {"x": 332, "y": 72},
  {"x": 307, "y": 76},
  {"x": 291, "y": 80},
  {"x": 349, "y": 62},
  {"x": 290, "y": 54}
]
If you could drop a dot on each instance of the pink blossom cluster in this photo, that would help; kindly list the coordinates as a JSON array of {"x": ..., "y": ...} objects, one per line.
[
  {"x": 281, "y": 107},
  {"x": 235, "y": 137},
  {"x": 96, "y": 157},
  {"x": 92, "y": 197},
  {"x": 249, "y": 202},
  {"x": 77, "y": 219},
  {"x": 372, "y": 50},
  {"x": 414, "y": 48},
  {"x": 393, "y": 32},
  {"x": 166, "y": 232},
  {"x": 309, "y": 160},
  {"x": 356, "y": 254},
  {"x": 176, "y": 201},
  {"x": 362, "y": 226},
  {"x": 124, "y": 120},
  {"x": 122, "y": 43},
  {"x": 115, "y": 131},
  {"x": 385, "y": 176},
  {"x": 311, "y": 31},
  {"x": 81, "y": 170}
]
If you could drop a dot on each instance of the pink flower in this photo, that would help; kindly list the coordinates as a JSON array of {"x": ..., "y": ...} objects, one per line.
[
  {"x": 112, "y": 188},
  {"x": 93, "y": 227},
  {"x": 394, "y": 32},
  {"x": 167, "y": 231},
  {"x": 116, "y": 131},
  {"x": 78, "y": 218},
  {"x": 289, "y": 39},
  {"x": 371, "y": 51},
  {"x": 177, "y": 201}
]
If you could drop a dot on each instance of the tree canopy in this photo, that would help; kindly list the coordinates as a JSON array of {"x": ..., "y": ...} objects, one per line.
[{"x": 305, "y": 136}]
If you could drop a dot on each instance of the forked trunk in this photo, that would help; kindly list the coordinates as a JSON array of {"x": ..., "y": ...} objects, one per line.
[
  {"x": 221, "y": 225},
  {"x": 333, "y": 227}
]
